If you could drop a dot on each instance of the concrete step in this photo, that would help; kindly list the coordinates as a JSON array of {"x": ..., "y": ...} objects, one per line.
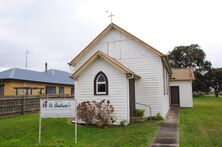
[
  {"x": 164, "y": 145},
  {"x": 168, "y": 134},
  {"x": 166, "y": 140}
]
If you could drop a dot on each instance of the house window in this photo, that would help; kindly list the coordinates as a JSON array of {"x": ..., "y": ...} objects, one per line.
[
  {"x": 100, "y": 84},
  {"x": 72, "y": 91},
  {"x": 51, "y": 90},
  {"x": 1, "y": 90},
  {"x": 61, "y": 90},
  {"x": 165, "y": 82}
]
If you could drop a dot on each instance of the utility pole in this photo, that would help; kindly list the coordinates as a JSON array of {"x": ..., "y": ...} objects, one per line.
[
  {"x": 26, "y": 59},
  {"x": 25, "y": 86}
]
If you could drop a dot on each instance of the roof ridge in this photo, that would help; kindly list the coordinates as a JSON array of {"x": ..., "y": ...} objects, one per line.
[
  {"x": 12, "y": 73},
  {"x": 53, "y": 72},
  {"x": 15, "y": 68},
  {"x": 36, "y": 76}
]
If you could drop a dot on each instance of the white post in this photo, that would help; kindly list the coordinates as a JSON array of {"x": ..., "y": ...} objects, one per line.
[
  {"x": 40, "y": 122},
  {"x": 76, "y": 119},
  {"x": 76, "y": 122}
]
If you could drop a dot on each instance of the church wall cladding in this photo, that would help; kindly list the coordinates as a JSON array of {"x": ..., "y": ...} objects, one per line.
[
  {"x": 118, "y": 88},
  {"x": 149, "y": 89}
]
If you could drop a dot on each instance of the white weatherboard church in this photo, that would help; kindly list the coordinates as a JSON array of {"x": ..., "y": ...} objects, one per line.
[{"x": 120, "y": 67}]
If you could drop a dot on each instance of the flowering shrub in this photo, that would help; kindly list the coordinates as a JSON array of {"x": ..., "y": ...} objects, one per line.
[{"x": 96, "y": 113}]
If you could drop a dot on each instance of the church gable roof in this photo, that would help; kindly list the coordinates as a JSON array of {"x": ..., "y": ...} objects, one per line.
[
  {"x": 106, "y": 31},
  {"x": 108, "y": 59}
]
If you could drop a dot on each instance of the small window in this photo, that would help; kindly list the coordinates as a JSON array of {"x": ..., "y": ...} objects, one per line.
[
  {"x": 1, "y": 90},
  {"x": 72, "y": 91},
  {"x": 164, "y": 81},
  {"x": 101, "y": 84},
  {"x": 61, "y": 90},
  {"x": 51, "y": 90},
  {"x": 167, "y": 84}
]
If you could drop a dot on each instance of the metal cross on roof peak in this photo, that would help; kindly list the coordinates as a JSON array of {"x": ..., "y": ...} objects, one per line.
[{"x": 110, "y": 15}]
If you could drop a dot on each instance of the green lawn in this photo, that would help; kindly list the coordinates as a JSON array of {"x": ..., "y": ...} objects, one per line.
[
  {"x": 23, "y": 131},
  {"x": 201, "y": 126}
]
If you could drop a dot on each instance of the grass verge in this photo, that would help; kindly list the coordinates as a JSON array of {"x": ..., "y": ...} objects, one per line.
[
  {"x": 201, "y": 126},
  {"x": 22, "y": 131}
]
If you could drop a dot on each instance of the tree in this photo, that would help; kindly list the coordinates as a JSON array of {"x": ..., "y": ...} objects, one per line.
[
  {"x": 214, "y": 80},
  {"x": 191, "y": 56}
]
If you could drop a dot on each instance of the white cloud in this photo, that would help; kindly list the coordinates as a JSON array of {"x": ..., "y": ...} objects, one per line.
[{"x": 54, "y": 31}]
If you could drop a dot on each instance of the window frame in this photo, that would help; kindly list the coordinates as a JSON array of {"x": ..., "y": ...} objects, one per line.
[
  {"x": 96, "y": 83},
  {"x": 164, "y": 81},
  {"x": 47, "y": 90},
  {"x": 61, "y": 89},
  {"x": 73, "y": 90},
  {"x": 2, "y": 90}
]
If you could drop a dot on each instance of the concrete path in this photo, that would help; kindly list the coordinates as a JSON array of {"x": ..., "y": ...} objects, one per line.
[{"x": 168, "y": 135}]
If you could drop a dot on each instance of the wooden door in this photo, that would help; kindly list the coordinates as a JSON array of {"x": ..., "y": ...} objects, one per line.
[
  {"x": 132, "y": 96},
  {"x": 175, "y": 95}
]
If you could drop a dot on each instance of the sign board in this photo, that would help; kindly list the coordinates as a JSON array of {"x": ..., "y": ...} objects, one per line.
[{"x": 57, "y": 108}]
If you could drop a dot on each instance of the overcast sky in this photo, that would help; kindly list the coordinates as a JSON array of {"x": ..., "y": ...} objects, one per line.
[{"x": 54, "y": 31}]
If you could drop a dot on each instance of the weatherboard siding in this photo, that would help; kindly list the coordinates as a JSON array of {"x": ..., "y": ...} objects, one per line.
[
  {"x": 117, "y": 88},
  {"x": 148, "y": 89},
  {"x": 165, "y": 95},
  {"x": 118, "y": 46},
  {"x": 185, "y": 89},
  {"x": 111, "y": 45}
]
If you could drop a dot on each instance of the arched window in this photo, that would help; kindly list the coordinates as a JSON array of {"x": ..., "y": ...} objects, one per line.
[{"x": 100, "y": 84}]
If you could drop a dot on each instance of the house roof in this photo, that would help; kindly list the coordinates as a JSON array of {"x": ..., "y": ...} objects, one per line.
[
  {"x": 108, "y": 59},
  {"x": 106, "y": 31},
  {"x": 181, "y": 74},
  {"x": 51, "y": 76}
]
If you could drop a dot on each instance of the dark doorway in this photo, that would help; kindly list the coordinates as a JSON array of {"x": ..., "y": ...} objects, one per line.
[
  {"x": 175, "y": 95},
  {"x": 132, "y": 96}
]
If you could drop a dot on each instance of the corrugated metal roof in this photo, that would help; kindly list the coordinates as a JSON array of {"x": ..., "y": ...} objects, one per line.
[
  {"x": 51, "y": 76},
  {"x": 182, "y": 74}
]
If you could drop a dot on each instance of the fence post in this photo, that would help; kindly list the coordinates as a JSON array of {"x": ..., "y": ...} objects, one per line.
[
  {"x": 20, "y": 104},
  {"x": 23, "y": 106}
]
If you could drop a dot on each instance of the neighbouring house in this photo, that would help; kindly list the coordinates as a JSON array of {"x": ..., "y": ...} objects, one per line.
[
  {"x": 120, "y": 67},
  {"x": 17, "y": 81},
  {"x": 181, "y": 87}
]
